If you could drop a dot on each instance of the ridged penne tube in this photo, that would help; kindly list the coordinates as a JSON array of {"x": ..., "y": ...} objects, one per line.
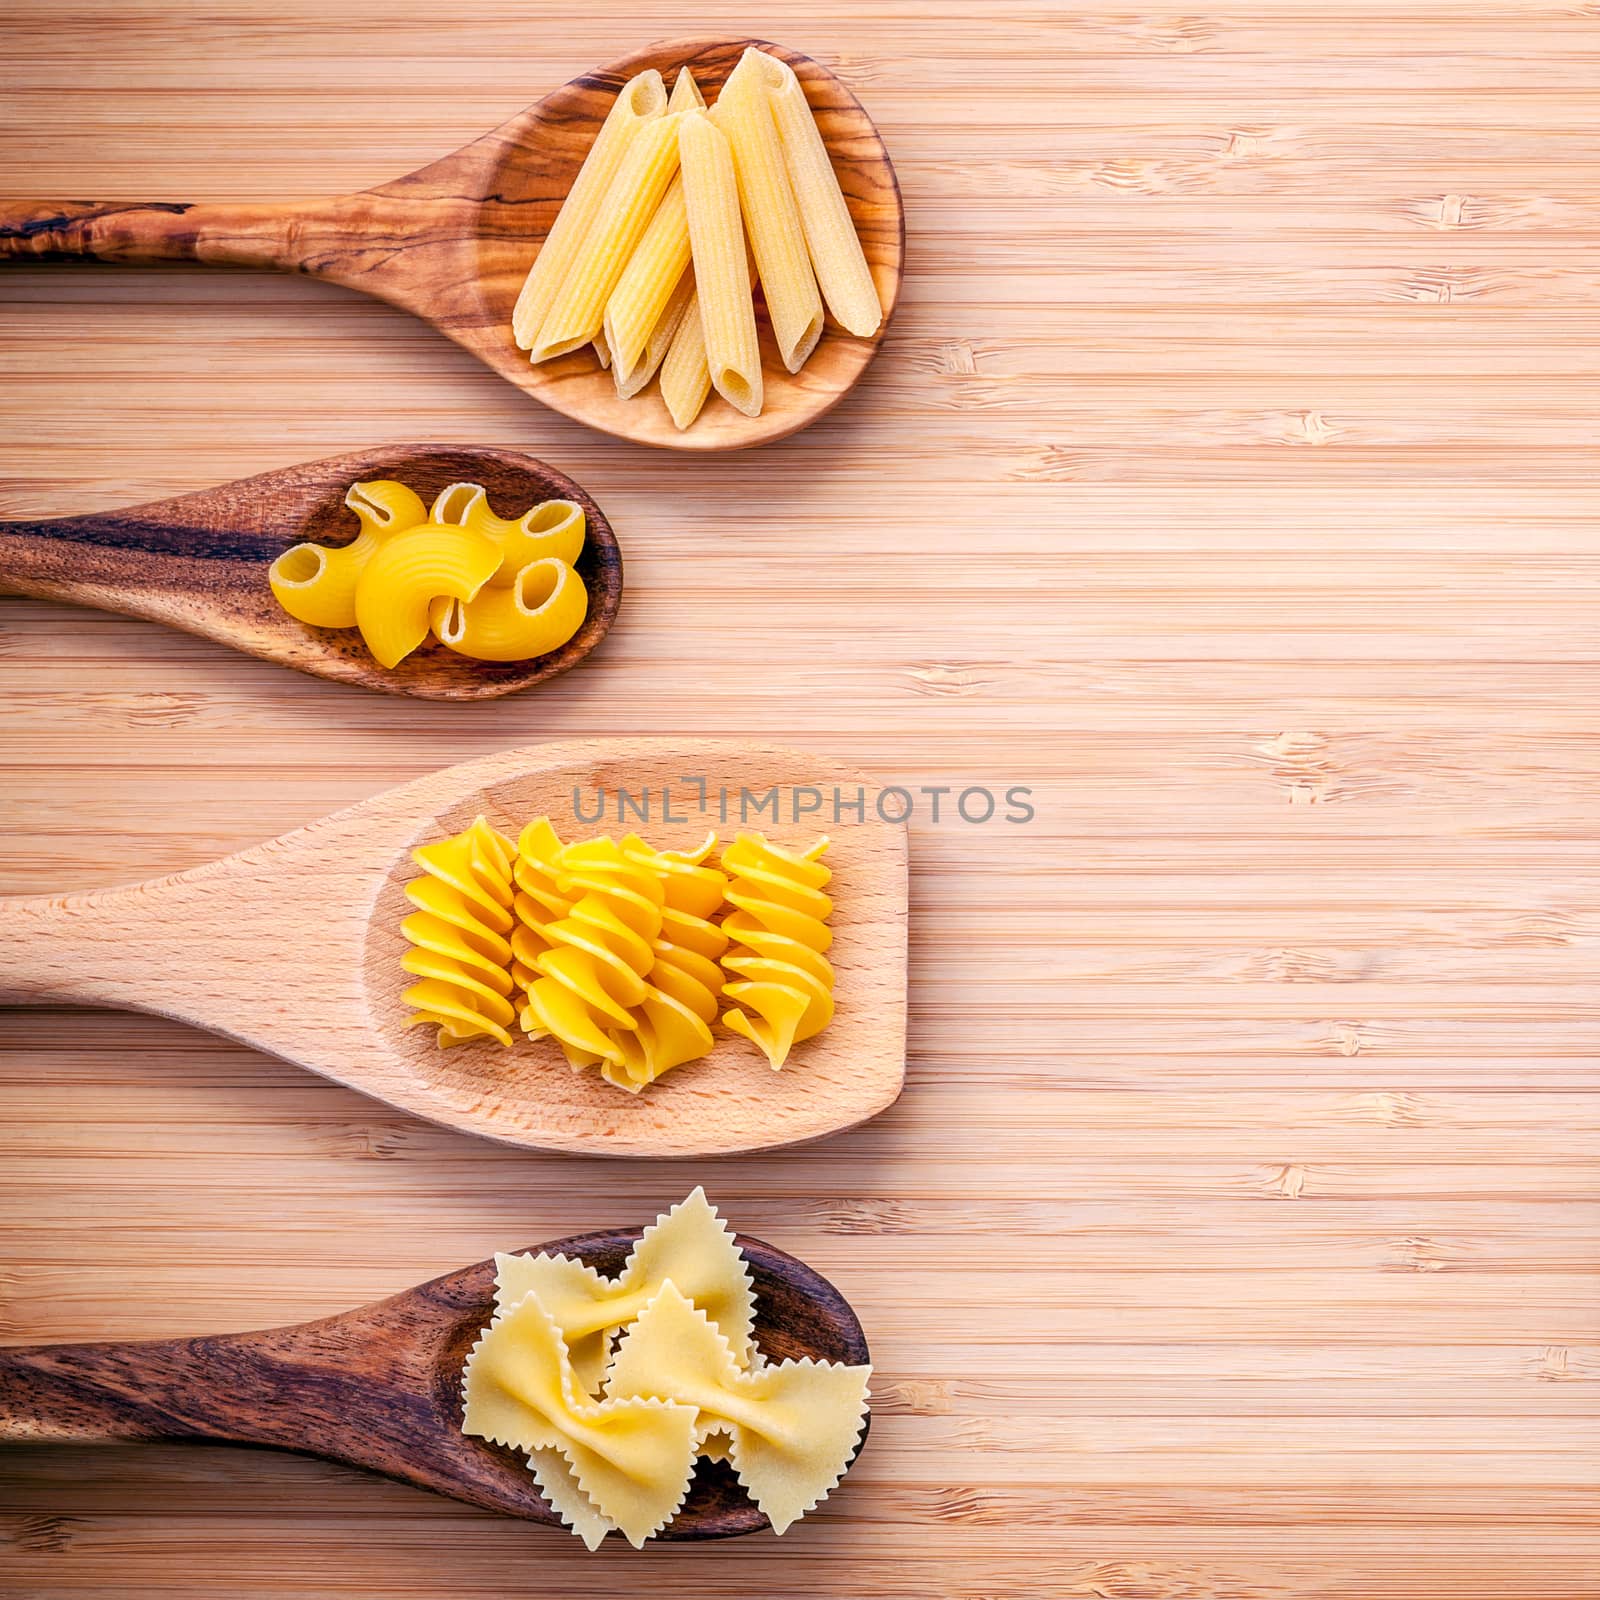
[
  {"x": 407, "y": 573},
  {"x": 743, "y": 113},
  {"x": 685, "y": 377},
  {"x": 835, "y": 248},
  {"x": 539, "y": 612},
  {"x": 652, "y": 275},
  {"x": 316, "y": 583},
  {"x": 660, "y": 340},
  {"x": 722, "y": 278},
  {"x": 578, "y": 311},
  {"x": 643, "y": 99},
  {"x": 602, "y": 350},
  {"x": 551, "y": 528},
  {"x": 649, "y": 293}
]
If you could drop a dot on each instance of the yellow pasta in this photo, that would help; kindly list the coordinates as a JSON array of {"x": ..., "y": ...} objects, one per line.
[
  {"x": 538, "y": 613},
  {"x": 643, "y": 100},
  {"x": 686, "y": 95},
  {"x": 540, "y": 899},
  {"x": 578, "y": 311},
  {"x": 722, "y": 279},
  {"x": 647, "y": 284},
  {"x": 792, "y": 1427},
  {"x": 684, "y": 980},
  {"x": 744, "y": 114},
  {"x": 407, "y": 573},
  {"x": 837, "y": 258},
  {"x": 316, "y": 583},
  {"x": 593, "y": 974},
  {"x": 551, "y": 528},
  {"x": 632, "y": 1458},
  {"x": 779, "y": 929},
  {"x": 611, "y": 1436},
  {"x": 660, "y": 340},
  {"x": 690, "y": 1244},
  {"x": 458, "y": 936},
  {"x": 685, "y": 375}
]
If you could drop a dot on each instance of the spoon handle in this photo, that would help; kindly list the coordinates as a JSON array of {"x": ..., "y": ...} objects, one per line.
[
  {"x": 125, "y": 230},
  {"x": 87, "y": 1393}
]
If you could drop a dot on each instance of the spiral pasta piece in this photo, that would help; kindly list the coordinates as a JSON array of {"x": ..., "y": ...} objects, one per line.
[
  {"x": 552, "y": 528},
  {"x": 684, "y": 980},
  {"x": 460, "y": 949},
  {"x": 593, "y": 972},
  {"x": 783, "y": 991},
  {"x": 316, "y": 583}
]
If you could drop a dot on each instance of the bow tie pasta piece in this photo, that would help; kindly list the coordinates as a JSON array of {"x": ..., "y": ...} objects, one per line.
[
  {"x": 407, "y": 573},
  {"x": 316, "y": 583},
  {"x": 458, "y": 936},
  {"x": 792, "y": 1427},
  {"x": 632, "y": 1457},
  {"x": 690, "y": 1245},
  {"x": 558, "y": 1483},
  {"x": 553, "y": 529},
  {"x": 779, "y": 929},
  {"x": 539, "y": 611}
]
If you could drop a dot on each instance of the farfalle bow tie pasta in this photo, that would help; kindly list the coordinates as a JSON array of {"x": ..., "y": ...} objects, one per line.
[{"x": 612, "y": 1438}]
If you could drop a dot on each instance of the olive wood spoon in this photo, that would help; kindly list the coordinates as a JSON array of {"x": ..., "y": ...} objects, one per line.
[
  {"x": 294, "y": 947},
  {"x": 452, "y": 243},
  {"x": 380, "y": 1387},
  {"x": 199, "y": 563}
]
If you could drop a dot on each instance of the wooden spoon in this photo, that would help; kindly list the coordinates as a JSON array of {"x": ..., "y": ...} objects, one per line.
[
  {"x": 294, "y": 947},
  {"x": 200, "y": 562},
  {"x": 380, "y": 1387},
  {"x": 452, "y": 243}
]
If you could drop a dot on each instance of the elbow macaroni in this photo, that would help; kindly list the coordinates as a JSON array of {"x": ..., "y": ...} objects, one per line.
[{"x": 489, "y": 587}]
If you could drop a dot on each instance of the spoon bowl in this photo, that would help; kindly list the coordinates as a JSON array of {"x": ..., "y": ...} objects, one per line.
[
  {"x": 452, "y": 244},
  {"x": 199, "y": 562},
  {"x": 380, "y": 1387},
  {"x": 294, "y": 946}
]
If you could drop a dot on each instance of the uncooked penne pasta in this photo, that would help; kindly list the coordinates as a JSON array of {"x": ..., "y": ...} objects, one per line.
[
  {"x": 643, "y": 99},
  {"x": 743, "y": 113},
  {"x": 578, "y": 312},
  {"x": 659, "y": 342},
  {"x": 602, "y": 348},
  {"x": 685, "y": 377},
  {"x": 836, "y": 254},
  {"x": 650, "y": 283},
  {"x": 686, "y": 94},
  {"x": 722, "y": 280}
]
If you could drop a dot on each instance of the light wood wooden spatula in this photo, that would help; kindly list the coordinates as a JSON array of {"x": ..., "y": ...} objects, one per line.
[
  {"x": 199, "y": 562},
  {"x": 453, "y": 242},
  {"x": 294, "y": 947},
  {"x": 380, "y": 1387}
]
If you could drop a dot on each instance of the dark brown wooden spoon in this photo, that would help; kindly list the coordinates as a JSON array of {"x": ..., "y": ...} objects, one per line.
[
  {"x": 380, "y": 1387},
  {"x": 452, "y": 243},
  {"x": 200, "y": 562}
]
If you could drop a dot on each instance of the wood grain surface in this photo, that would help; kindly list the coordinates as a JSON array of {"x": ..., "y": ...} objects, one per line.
[
  {"x": 453, "y": 243},
  {"x": 380, "y": 1387},
  {"x": 295, "y": 946},
  {"x": 201, "y": 562},
  {"x": 1228, "y": 478}
]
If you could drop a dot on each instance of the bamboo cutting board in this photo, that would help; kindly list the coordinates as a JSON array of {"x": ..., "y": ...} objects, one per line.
[{"x": 1227, "y": 479}]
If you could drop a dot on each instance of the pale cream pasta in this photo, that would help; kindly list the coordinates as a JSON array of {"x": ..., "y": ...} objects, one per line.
[
  {"x": 643, "y": 99},
  {"x": 685, "y": 376},
  {"x": 836, "y": 254},
  {"x": 722, "y": 279},
  {"x": 578, "y": 312},
  {"x": 743, "y": 113},
  {"x": 660, "y": 340}
]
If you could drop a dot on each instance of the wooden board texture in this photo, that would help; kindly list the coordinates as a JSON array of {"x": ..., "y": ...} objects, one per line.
[{"x": 1228, "y": 477}]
